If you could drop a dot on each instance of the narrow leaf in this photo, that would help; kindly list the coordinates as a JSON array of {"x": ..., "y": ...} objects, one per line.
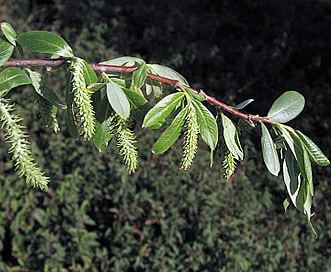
[
  {"x": 162, "y": 109},
  {"x": 44, "y": 91},
  {"x": 171, "y": 134},
  {"x": 123, "y": 61},
  {"x": 70, "y": 116},
  {"x": 243, "y": 104},
  {"x": 89, "y": 74},
  {"x": 12, "y": 77},
  {"x": 153, "y": 87},
  {"x": 303, "y": 161},
  {"x": 6, "y": 50},
  {"x": 207, "y": 124},
  {"x": 269, "y": 152},
  {"x": 9, "y": 32},
  {"x": 138, "y": 104},
  {"x": 286, "y": 107},
  {"x": 118, "y": 100},
  {"x": 314, "y": 151},
  {"x": 104, "y": 132},
  {"x": 167, "y": 72},
  {"x": 45, "y": 42},
  {"x": 139, "y": 76},
  {"x": 292, "y": 178},
  {"x": 231, "y": 137}
]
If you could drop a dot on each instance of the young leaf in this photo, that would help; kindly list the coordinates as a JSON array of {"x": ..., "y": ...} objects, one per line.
[
  {"x": 153, "y": 87},
  {"x": 9, "y": 32},
  {"x": 171, "y": 134},
  {"x": 243, "y": 104},
  {"x": 231, "y": 137},
  {"x": 292, "y": 178},
  {"x": 139, "y": 105},
  {"x": 167, "y": 72},
  {"x": 162, "y": 109},
  {"x": 12, "y": 77},
  {"x": 44, "y": 91},
  {"x": 207, "y": 124},
  {"x": 123, "y": 61},
  {"x": 286, "y": 107},
  {"x": 89, "y": 75},
  {"x": 45, "y": 42},
  {"x": 269, "y": 152},
  {"x": 118, "y": 100},
  {"x": 139, "y": 76},
  {"x": 104, "y": 132},
  {"x": 6, "y": 50},
  {"x": 314, "y": 152},
  {"x": 70, "y": 117}
]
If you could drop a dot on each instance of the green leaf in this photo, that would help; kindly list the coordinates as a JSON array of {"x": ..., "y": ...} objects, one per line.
[
  {"x": 207, "y": 124},
  {"x": 45, "y": 42},
  {"x": 139, "y": 76},
  {"x": 162, "y": 109},
  {"x": 6, "y": 50},
  {"x": 44, "y": 91},
  {"x": 292, "y": 178},
  {"x": 231, "y": 137},
  {"x": 300, "y": 153},
  {"x": 70, "y": 116},
  {"x": 12, "y": 77},
  {"x": 286, "y": 107},
  {"x": 171, "y": 134},
  {"x": 303, "y": 161},
  {"x": 118, "y": 100},
  {"x": 104, "y": 132},
  {"x": 9, "y": 32},
  {"x": 94, "y": 87},
  {"x": 167, "y": 72},
  {"x": 153, "y": 87},
  {"x": 138, "y": 104},
  {"x": 269, "y": 152},
  {"x": 243, "y": 104},
  {"x": 89, "y": 74},
  {"x": 123, "y": 61},
  {"x": 314, "y": 151}
]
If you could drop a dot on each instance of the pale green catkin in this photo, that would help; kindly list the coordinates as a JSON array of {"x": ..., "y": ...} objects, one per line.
[
  {"x": 20, "y": 147},
  {"x": 82, "y": 99},
  {"x": 48, "y": 114},
  {"x": 126, "y": 145},
  {"x": 190, "y": 145}
]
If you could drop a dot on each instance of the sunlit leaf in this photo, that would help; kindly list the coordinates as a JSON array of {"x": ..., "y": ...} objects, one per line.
[
  {"x": 167, "y": 72},
  {"x": 89, "y": 75},
  {"x": 118, "y": 100},
  {"x": 269, "y": 152},
  {"x": 231, "y": 138},
  {"x": 9, "y": 32},
  {"x": 207, "y": 124},
  {"x": 139, "y": 104},
  {"x": 45, "y": 42},
  {"x": 286, "y": 107},
  {"x": 44, "y": 91},
  {"x": 123, "y": 61},
  {"x": 314, "y": 151},
  {"x": 243, "y": 104},
  {"x": 6, "y": 50},
  {"x": 162, "y": 109},
  {"x": 171, "y": 134},
  {"x": 139, "y": 76},
  {"x": 12, "y": 77}
]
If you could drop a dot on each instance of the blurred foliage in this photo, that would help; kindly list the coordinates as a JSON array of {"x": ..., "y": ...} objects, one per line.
[{"x": 95, "y": 217}]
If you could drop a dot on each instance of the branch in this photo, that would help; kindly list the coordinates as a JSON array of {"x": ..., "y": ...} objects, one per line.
[{"x": 129, "y": 69}]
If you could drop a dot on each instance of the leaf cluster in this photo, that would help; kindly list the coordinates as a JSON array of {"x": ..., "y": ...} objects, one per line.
[{"x": 109, "y": 104}]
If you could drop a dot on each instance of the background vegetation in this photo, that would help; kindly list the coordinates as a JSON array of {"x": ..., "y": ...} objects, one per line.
[{"x": 95, "y": 217}]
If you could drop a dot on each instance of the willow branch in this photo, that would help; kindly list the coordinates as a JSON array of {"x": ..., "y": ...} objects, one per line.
[{"x": 129, "y": 69}]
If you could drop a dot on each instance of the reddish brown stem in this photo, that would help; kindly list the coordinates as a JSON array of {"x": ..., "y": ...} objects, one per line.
[{"x": 129, "y": 69}]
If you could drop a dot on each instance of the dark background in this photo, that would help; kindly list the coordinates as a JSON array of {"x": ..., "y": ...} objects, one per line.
[{"x": 95, "y": 216}]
